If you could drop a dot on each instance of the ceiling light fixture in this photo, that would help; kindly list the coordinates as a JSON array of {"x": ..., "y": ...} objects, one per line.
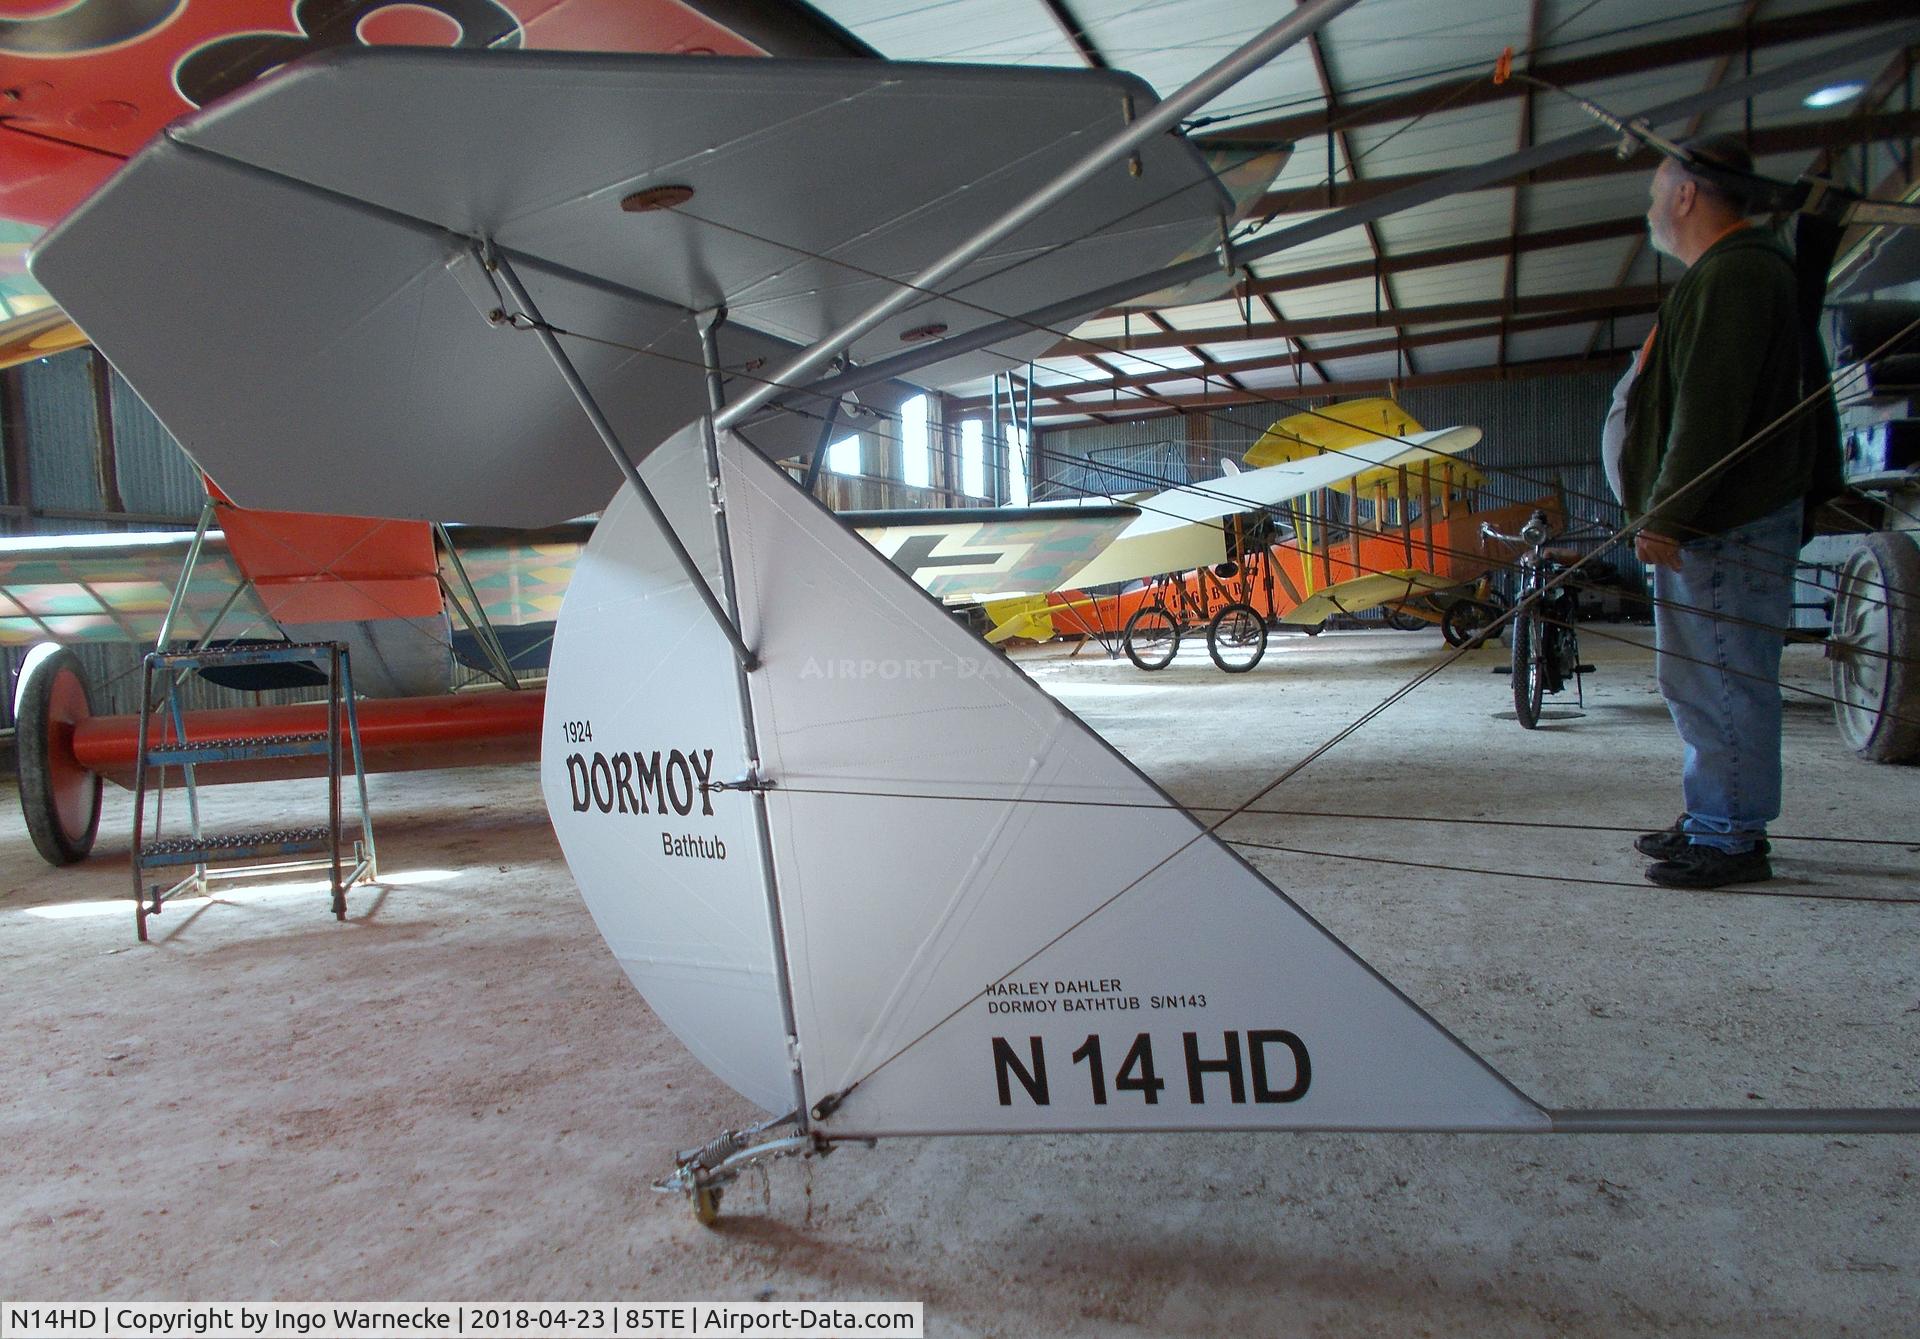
[{"x": 1835, "y": 94}]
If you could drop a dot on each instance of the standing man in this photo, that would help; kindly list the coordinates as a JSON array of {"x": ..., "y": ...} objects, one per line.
[{"x": 1720, "y": 513}]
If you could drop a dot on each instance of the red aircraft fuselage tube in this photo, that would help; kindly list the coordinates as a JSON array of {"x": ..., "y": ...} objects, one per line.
[{"x": 406, "y": 734}]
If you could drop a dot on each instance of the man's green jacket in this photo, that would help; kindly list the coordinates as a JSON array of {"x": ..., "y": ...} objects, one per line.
[{"x": 1729, "y": 360}]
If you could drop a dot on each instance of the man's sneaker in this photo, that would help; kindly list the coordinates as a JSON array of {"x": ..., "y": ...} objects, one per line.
[
  {"x": 1710, "y": 867},
  {"x": 1670, "y": 842}
]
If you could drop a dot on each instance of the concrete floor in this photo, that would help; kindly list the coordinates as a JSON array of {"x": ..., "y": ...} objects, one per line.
[{"x": 456, "y": 1096}]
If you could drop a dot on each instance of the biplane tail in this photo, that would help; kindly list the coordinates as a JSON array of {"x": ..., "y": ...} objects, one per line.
[
  {"x": 964, "y": 912},
  {"x": 1028, "y": 616}
]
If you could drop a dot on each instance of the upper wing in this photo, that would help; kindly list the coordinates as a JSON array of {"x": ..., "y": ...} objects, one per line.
[
  {"x": 91, "y": 82},
  {"x": 339, "y": 286},
  {"x": 1180, "y": 529},
  {"x": 1251, "y": 490}
]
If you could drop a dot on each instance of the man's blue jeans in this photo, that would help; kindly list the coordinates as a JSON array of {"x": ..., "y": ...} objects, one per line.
[{"x": 1719, "y": 627}]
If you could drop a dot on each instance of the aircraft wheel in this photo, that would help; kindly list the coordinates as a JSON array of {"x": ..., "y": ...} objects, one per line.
[
  {"x": 1237, "y": 638},
  {"x": 1402, "y": 621},
  {"x": 59, "y": 798},
  {"x": 706, "y": 1205},
  {"x": 1315, "y": 629},
  {"x": 1466, "y": 622},
  {"x": 1152, "y": 637},
  {"x": 1874, "y": 649}
]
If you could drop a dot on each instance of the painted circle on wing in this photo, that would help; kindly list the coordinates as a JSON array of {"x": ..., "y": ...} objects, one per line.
[{"x": 408, "y": 25}]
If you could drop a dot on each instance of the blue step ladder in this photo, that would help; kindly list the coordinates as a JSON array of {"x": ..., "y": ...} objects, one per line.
[{"x": 164, "y": 743}]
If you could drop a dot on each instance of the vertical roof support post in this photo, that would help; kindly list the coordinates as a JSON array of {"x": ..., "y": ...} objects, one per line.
[
  {"x": 753, "y": 782},
  {"x": 996, "y": 443},
  {"x": 495, "y": 263},
  {"x": 1026, "y": 437}
]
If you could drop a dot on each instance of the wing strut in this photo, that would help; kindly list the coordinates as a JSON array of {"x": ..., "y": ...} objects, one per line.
[
  {"x": 820, "y": 449},
  {"x": 494, "y": 262},
  {"x": 752, "y": 782}
]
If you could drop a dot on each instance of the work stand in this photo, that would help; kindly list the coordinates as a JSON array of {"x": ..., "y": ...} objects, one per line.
[{"x": 165, "y": 743}]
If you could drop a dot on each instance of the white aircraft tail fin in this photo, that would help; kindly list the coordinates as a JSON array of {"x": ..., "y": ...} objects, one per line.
[
  {"x": 641, "y": 711},
  {"x": 992, "y": 921}
]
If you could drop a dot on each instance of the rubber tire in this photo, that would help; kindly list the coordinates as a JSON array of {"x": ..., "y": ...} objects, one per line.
[
  {"x": 1241, "y": 612},
  {"x": 1316, "y": 629},
  {"x": 59, "y": 799},
  {"x": 1883, "y": 727},
  {"x": 1529, "y": 675},
  {"x": 1142, "y": 619},
  {"x": 1404, "y": 622},
  {"x": 706, "y": 1205}
]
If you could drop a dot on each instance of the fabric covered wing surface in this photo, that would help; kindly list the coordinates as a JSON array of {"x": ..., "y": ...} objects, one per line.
[
  {"x": 641, "y": 708},
  {"x": 282, "y": 297},
  {"x": 969, "y": 876}
]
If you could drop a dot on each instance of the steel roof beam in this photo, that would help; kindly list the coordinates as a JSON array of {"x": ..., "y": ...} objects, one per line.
[
  {"x": 1408, "y": 196},
  {"x": 1598, "y": 299},
  {"x": 1721, "y": 68},
  {"x": 1494, "y": 248},
  {"x": 1686, "y": 50},
  {"x": 1510, "y": 282},
  {"x": 1075, "y": 32},
  {"x": 1118, "y": 381},
  {"x": 1383, "y": 294},
  {"x": 1167, "y": 405},
  {"x": 1802, "y": 136}
]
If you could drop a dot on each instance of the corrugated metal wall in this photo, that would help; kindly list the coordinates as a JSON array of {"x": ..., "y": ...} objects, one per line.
[
  {"x": 62, "y": 438},
  {"x": 156, "y": 478},
  {"x": 51, "y": 407}
]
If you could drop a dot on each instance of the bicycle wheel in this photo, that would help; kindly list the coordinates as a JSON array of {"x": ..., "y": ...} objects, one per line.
[
  {"x": 1237, "y": 638},
  {"x": 1151, "y": 638},
  {"x": 1529, "y": 669}
]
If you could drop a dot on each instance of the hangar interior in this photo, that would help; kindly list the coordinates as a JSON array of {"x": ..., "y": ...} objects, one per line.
[{"x": 453, "y": 1088}]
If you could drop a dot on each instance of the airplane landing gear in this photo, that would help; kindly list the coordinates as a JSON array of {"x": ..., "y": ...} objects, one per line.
[
  {"x": 702, "y": 1174},
  {"x": 1237, "y": 638},
  {"x": 1875, "y": 640},
  {"x": 1152, "y": 637},
  {"x": 59, "y": 798}
]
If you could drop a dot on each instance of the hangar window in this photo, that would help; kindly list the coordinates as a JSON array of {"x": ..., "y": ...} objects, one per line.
[
  {"x": 973, "y": 458},
  {"x": 1018, "y": 494},
  {"x": 914, "y": 465},
  {"x": 843, "y": 457}
]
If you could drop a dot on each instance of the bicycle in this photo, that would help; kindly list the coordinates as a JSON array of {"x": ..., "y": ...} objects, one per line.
[
  {"x": 1236, "y": 631},
  {"x": 1546, "y": 646}
]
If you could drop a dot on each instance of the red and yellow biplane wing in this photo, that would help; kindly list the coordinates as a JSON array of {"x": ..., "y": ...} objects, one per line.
[{"x": 85, "y": 84}]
